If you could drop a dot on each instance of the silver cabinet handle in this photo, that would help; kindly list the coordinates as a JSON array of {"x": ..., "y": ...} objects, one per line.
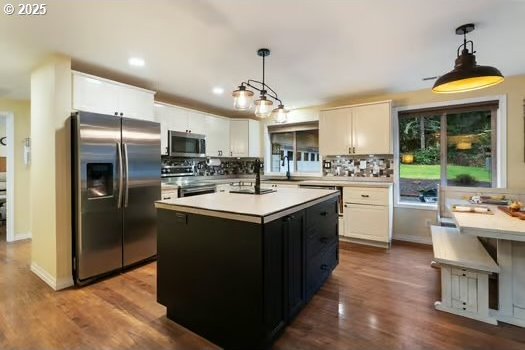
[
  {"x": 126, "y": 168},
  {"x": 353, "y": 149},
  {"x": 120, "y": 175},
  {"x": 365, "y": 195},
  {"x": 349, "y": 150}
]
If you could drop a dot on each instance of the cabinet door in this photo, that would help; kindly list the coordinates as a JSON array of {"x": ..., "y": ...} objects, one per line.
[
  {"x": 217, "y": 136},
  {"x": 177, "y": 119},
  {"x": 372, "y": 129},
  {"x": 335, "y": 132},
  {"x": 94, "y": 95},
  {"x": 294, "y": 273},
  {"x": 162, "y": 118},
  {"x": 254, "y": 139},
  {"x": 135, "y": 103},
  {"x": 196, "y": 122},
  {"x": 239, "y": 139},
  {"x": 367, "y": 222}
]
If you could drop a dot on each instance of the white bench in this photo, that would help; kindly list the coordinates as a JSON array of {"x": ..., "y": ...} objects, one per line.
[{"x": 465, "y": 267}]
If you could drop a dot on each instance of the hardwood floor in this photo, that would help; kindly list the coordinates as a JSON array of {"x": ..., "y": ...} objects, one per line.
[{"x": 375, "y": 299}]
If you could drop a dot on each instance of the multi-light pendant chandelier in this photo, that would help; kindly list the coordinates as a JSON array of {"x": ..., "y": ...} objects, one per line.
[
  {"x": 467, "y": 75},
  {"x": 243, "y": 98}
]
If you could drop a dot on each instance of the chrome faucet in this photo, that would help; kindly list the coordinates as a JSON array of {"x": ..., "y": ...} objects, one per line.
[{"x": 287, "y": 166}]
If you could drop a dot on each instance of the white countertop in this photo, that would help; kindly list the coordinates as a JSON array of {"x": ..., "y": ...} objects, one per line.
[
  {"x": 499, "y": 225},
  {"x": 246, "y": 207}
]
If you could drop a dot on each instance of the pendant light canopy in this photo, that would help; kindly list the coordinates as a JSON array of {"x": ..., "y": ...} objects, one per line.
[
  {"x": 467, "y": 75},
  {"x": 242, "y": 97}
]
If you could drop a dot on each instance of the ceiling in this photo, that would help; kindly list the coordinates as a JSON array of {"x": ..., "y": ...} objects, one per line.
[{"x": 321, "y": 50}]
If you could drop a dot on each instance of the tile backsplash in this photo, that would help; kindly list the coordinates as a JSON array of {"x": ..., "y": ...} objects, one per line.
[
  {"x": 360, "y": 166},
  {"x": 215, "y": 166}
]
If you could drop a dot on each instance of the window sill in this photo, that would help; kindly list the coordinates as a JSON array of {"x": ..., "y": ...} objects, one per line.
[{"x": 422, "y": 206}]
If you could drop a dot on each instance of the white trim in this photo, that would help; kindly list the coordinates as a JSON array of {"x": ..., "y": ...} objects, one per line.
[
  {"x": 21, "y": 236},
  {"x": 50, "y": 280},
  {"x": 412, "y": 238},
  {"x": 501, "y": 134},
  {"x": 10, "y": 189}
]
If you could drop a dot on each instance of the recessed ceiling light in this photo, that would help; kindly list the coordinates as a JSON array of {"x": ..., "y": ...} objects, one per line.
[
  {"x": 218, "y": 90},
  {"x": 136, "y": 62}
]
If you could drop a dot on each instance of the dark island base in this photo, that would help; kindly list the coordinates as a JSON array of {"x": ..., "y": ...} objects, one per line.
[{"x": 238, "y": 284}]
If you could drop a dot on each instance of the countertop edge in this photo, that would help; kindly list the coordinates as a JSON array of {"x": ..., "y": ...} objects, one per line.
[{"x": 258, "y": 219}]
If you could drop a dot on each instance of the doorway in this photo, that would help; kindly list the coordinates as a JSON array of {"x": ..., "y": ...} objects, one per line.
[{"x": 7, "y": 176}]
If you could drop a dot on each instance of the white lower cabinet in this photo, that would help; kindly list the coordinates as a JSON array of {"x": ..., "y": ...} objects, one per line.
[
  {"x": 276, "y": 185},
  {"x": 169, "y": 194},
  {"x": 223, "y": 188},
  {"x": 368, "y": 214}
]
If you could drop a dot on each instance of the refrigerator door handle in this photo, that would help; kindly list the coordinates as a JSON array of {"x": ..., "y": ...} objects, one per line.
[
  {"x": 120, "y": 175},
  {"x": 126, "y": 168}
]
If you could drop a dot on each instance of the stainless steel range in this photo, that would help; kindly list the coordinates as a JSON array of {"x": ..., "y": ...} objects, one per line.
[
  {"x": 196, "y": 188},
  {"x": 176, "y": 171}
]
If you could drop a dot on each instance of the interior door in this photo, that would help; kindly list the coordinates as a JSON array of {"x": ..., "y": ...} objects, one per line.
[
  {"x": 96, "y": 171},
  {"x": 141, "y": 142}
]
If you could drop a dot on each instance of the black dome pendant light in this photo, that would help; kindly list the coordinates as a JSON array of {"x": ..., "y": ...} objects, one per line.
[{"x": 467, "y": 75}]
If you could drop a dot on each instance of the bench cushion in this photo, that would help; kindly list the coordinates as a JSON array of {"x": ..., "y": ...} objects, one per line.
[{"x": 461, "y": 250}]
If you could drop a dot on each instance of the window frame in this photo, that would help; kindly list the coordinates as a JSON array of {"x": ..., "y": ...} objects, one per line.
[
  {"x": 295, "y": 127},
  {"x": 500, "y": 144}
]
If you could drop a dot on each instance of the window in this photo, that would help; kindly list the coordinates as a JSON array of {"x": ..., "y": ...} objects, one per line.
[
  {"x": 301, "y": 141},
  {"x": 447, "y": 146}
]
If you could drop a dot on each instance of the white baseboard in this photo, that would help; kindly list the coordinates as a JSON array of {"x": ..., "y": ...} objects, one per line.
[
  {"x": 20, "y": 236},
  {"x": 49, "y": 279},
  {"x": 412, "y": 238}
]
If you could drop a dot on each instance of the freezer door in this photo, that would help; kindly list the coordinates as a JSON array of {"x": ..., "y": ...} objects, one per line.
[
  {"x": 141, "y": 143},
  {"x": 96, "y": 141}
]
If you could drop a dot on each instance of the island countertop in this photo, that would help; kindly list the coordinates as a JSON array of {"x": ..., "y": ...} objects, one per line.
[{"x": 246, "y": 207}]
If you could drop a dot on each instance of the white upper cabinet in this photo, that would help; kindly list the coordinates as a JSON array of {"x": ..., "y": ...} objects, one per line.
[
  {"x": 335, "y": 131},
  {"x": 94, "y": 95},
  {"x": 97, "y": 95},
  {"x": 196, "y": 122},
  {"x": 361, "y": 129},
  {"x": 135, "y": 103},
  {"x": 162, "y": 117},
  {"x": 372, "y": 128},
  {"x": 245, "y": 138},
  {"x": 217, "y": 136}
]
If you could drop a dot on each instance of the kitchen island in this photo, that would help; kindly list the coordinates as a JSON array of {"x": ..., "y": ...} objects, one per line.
[{"x": 236, "y": 268}]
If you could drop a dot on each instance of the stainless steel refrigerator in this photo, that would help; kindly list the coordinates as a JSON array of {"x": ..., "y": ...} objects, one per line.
[{"x": 116, "y": 180}]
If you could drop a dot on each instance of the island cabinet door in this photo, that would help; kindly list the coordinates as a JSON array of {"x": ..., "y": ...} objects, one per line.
[
  {"x": 284, "y": 277},
  {"x": 294, "y": 265}
]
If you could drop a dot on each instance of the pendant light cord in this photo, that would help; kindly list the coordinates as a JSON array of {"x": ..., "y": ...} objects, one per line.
[{"x": 264, "y": 60}]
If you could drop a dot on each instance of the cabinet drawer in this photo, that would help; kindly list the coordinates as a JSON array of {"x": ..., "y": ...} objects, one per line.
[
  {"x": 366, "y": 195},
  {"x": 169, "y": 195},
  {"x": 319, "y": 268},
  {"x": 321, "y": 237},
  {"x": 321, "y": 214}
]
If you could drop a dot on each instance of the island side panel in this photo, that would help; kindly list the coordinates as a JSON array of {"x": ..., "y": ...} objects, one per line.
[{"x": 209, "y": 276}]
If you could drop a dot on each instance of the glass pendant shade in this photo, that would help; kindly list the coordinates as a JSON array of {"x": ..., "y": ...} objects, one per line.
[
  {"x": 467, "y": 76},
  {"x": 242, "y": 99},
  {"x": 263, "y": 107},
  {"x": 280, "y": 114}
]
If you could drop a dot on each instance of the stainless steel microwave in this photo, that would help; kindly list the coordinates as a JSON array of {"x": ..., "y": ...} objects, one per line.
[{"x": 186, "y": 144}]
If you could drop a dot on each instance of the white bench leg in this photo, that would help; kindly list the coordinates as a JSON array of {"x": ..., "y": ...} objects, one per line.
[{"x": 482, "y": 297}]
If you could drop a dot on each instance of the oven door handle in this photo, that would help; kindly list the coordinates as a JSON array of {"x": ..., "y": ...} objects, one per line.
[{"x": 200, "y": 189}]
